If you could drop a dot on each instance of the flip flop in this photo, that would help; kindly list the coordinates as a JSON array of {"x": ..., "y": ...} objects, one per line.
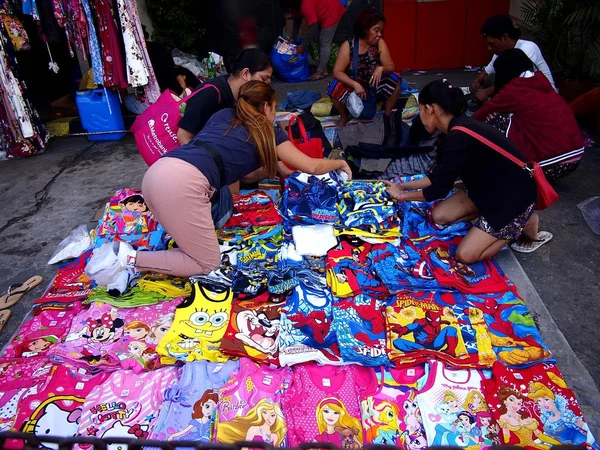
[
  {"x": 16, "y": 292},
  {"x": 4, "y": 316},
  {"x": 316, "y": 76},
  {"x": 531, "y": 245}
]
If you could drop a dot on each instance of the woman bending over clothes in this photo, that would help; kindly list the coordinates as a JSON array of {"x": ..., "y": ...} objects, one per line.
[
  {"x": 180, "y": 186},
  {"x": 374, "y": 77},
  {"x": 527, "y": 109},
  {"x": 500, "y": 194}
]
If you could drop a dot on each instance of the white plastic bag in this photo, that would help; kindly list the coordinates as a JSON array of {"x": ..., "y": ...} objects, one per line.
[
  {"x": 284, "y": 47},
  {"x": 77, "y": 242},
  {"x": 103, "y": 267},
  {"x": 355, "y": 105},
  {"x": 590, "y": 209},
  {"x": 190, "y": 62}
]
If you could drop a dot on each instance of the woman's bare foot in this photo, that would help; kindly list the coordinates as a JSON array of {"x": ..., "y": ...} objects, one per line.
[
  {"x": 530, "y": 230},
  {"x": 527, "y": 245}
]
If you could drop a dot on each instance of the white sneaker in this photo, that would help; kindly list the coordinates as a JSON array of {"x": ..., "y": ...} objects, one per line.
[
  {"x": 126, "y": 255},
  {"x": 112, "y": 263},
  {"x": 119, "y": 284},
  {"x": 104, "y": 259}
]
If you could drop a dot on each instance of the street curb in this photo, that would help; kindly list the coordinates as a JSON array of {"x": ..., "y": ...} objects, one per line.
[{"x": 573, "y": 370}]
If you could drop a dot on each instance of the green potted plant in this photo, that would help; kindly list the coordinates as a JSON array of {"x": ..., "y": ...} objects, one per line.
[{"x": 568, "y": 32}]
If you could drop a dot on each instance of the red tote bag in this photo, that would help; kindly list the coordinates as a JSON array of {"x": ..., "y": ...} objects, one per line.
[
  {"x": 155, "y": 130},
  {"x": 546, "y": 195},
  {"x": 312, "y": 147}
]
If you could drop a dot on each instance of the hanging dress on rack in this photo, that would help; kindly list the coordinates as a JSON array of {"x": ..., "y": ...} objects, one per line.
[
  {"x": 137, "y": 73},
  {"x": 48, "y": 27},
  {"x": 23, "y": 132},
  {"x": 139, "y": 67},
  {"x": 94, "y": 46},
  {"x": 112, "y": 57},
  {"x": 152, "y": 88},
  {"x": 14, "y": 28}
]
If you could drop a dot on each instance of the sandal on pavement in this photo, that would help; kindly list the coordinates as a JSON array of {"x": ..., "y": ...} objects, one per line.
[
  {"x": 531, "y": 245},
  {"x": 318, "y": 76},
  {"x": 4, "y": 316},
  {"x": 16, "y": 292}
]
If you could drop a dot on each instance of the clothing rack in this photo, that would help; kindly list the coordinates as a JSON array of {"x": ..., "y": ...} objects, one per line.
[{"x": 108, "y": 35}]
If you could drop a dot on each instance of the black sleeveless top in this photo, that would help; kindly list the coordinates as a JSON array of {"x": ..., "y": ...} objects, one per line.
[{"x": 367, "y": 63}]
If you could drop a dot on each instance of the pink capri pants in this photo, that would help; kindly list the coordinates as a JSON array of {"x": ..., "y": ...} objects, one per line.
[{"x": 178, "y": 195}]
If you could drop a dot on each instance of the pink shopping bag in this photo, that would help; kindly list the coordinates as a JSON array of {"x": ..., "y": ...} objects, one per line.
[{"x": 155, "y": 130}]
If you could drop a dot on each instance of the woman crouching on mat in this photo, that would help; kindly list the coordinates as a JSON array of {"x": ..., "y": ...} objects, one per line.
[
  {"x": 178, "y": 188},
  {"x": 500, "y": 194}
]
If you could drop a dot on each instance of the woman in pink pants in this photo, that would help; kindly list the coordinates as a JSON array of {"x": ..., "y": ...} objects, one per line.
[{"x": 179, "y": 187}]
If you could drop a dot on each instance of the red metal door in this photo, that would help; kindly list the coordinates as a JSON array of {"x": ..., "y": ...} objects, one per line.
[
  {"x": 440, "y": 33},
  {"x": 400, "y": 31}
]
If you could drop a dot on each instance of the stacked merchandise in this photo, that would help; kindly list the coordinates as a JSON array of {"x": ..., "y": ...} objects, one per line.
[
  {"x": 370, "y": 333},
  {"x": 250, "y": 242},
  {"x": 127, "y": 218}
]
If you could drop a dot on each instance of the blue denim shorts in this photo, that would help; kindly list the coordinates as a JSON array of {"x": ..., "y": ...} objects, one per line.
[{"x": 222, "y": 207}]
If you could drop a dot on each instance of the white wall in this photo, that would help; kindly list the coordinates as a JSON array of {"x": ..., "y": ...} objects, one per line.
[{"x": 515, "y": 9}]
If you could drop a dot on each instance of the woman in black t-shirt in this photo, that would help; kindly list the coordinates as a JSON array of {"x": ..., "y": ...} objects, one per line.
[
  {"x": 500, "y": 194},
  {"x": 251, "y": 64}
]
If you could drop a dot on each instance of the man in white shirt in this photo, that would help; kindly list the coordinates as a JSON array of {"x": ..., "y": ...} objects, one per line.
[{"x": 501, "y": 34}]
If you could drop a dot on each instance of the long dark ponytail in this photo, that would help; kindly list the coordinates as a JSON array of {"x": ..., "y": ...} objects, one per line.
[
  {"x": 509, "y": 65},
  {"x": 449, "y": 98}
]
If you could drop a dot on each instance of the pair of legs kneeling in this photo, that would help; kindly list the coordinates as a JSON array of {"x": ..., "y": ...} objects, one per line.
[{"x": 477, "y": 244}]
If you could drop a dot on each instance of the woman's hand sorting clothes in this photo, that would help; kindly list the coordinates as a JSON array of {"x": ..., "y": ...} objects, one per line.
[
  {"x": 360, "y": 91},
  {"x": 376, "y": 77},
  {"x": 345, "y": 169},
  {"x": 394, "y": 190}
]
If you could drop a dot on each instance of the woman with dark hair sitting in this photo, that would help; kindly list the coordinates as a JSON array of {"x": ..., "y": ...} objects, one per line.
[
  {"x": 364, "y": 66},
  {"x": 533, "y": 116},
  {"x": 500, "y": 194}
]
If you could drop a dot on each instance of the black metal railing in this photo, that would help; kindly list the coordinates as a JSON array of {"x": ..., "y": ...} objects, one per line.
[{"x": 14, "y": 440}]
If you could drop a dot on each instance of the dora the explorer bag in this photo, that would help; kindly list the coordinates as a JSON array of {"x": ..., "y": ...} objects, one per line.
[
  {"x": 155, "y": 130},
  {"x": 546, "y": 195},
  {"x": 312, "y": 147}
]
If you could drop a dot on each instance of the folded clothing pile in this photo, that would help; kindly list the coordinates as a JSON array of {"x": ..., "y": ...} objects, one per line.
[{"x": 127, "y": 218}]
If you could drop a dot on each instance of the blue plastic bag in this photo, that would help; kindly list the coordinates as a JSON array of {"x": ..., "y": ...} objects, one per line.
[{"x": 290, "y": 68}]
